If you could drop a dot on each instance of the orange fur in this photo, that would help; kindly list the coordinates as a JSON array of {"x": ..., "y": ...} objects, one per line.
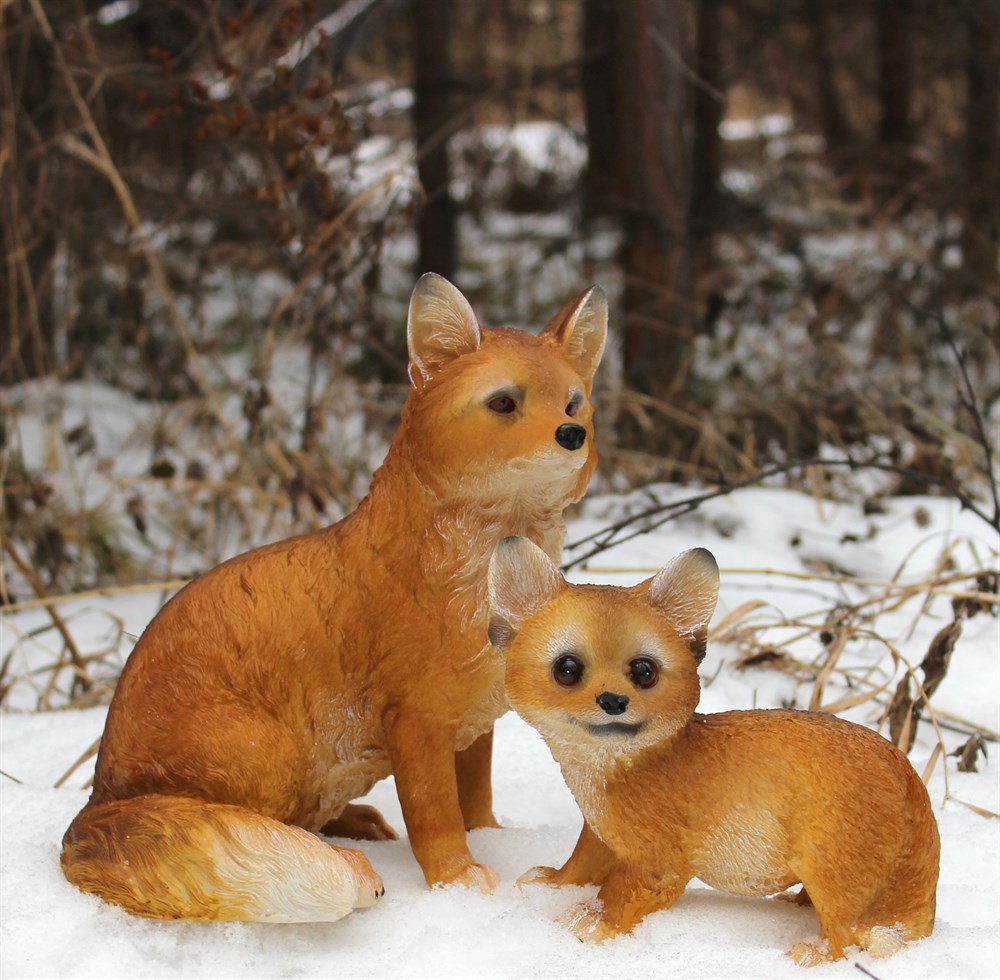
[
  {"x": 751, "y": 802},
  {"x": 281, "y": 685}
]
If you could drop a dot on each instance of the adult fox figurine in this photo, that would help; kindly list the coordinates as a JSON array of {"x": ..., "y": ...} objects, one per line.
[
  {"x": 751, "y": 802},
  {"x": 283, "y": 684}
]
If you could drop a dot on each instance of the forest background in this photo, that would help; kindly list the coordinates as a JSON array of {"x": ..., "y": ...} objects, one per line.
[{"x": 212, "y": 212}]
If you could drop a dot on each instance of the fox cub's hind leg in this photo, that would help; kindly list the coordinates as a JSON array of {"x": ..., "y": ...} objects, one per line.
[{"x": 177, "y": 858}]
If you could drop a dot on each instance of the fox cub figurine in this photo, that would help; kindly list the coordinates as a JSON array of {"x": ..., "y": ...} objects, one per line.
[
  {"x": 750, "y": 802},
  {"x": 280, "y": 686}
]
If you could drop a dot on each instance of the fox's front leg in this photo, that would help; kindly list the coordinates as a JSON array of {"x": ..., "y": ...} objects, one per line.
[
  {"x": 423, "y": 763},
  {"x": 473, "y": 768},
  {"x": 589, "y": 864},
  {"x": 628, "y": 895}
]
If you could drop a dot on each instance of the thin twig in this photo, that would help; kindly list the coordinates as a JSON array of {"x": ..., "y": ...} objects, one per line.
[
  {"x": 89, "y": 753},
  {"x": 968, "y": 399},
  {"x": 114, "y": 590},
  {"x": 677, "y": 59},
  {"x": 100, "y": 158},
  {"x": 867, "y": 973},
  {"x": 937, "y": 585},
  {"x": 608, "y": 537},
  {"x": 60, "y": 624}
]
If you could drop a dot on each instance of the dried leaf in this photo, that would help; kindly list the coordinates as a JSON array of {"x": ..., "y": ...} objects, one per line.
[
  {"x": 965, "y": 607},
  {"x": 768, "y": 657},
  {"x": 903, "y": 714},
  {"x": 935, "y": 663},
  {"x": 969, "y": 752}
]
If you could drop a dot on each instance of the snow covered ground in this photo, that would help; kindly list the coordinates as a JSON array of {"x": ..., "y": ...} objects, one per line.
[{"x": 763, "y": 538}]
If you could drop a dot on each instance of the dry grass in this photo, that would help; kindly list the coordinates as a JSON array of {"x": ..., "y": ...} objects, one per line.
[{"x": 819, "y": 650}]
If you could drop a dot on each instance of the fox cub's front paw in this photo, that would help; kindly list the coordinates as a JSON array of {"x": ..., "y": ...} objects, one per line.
[
  {"x": 811, "y": 954},
  {"x": 586, "y": 921},
  {"x": 541, "y": 876}
]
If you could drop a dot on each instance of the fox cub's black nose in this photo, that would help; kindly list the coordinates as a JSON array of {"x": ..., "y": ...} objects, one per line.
[
  {"x": 571, "y": 436},
  {"x": 613, "y": 704}
]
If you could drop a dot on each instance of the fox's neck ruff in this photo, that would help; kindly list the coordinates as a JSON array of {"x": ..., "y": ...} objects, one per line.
[
  {"x": 591, "y": 766},
  {"x": 451, "y": 529},
  {"x": 588, "y": 769}
]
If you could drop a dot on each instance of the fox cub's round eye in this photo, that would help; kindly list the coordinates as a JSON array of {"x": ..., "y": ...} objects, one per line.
[
  {"x": 643, "y": 673},
  {"x": 572, "y": 408},
  {"x": 567, "y": 671},
  {"x": 502, "y": 404}
]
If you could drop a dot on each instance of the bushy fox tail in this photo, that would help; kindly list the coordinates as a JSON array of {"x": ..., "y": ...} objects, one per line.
[{"x": 179, "y": 858}]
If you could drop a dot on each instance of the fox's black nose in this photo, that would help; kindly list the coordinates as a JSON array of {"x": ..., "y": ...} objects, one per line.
[
  {"x": 613, "y": 704},
  {"x": 571, "y": 436}
]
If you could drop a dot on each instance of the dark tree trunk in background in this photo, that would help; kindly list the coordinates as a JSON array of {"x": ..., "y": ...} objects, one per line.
[
  {"x": 981, "y": 212},
  {"x": 895, "y": 70},
  {"x": 709, "y": 107},
  {"x": 653, "y": 118},
  {"x": 602, "y": 179},
  {"x": 437, "y": 233},
  {"x": 27, "y": 119},
  {"x": 833, "y": 124}
]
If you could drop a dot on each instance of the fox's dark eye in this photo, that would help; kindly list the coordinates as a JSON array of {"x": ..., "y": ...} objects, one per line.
[
  {"x": 502, "y": 404},
  {"x": 568, "y": 671},
  {"x": 643, "y": 673},
  {"x": 572, "y": 408}
]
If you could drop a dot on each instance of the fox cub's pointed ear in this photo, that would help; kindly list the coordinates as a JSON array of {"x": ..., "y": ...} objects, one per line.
[
  {"x": 581, "y": 327},
  {"x": 520, "y": 581},
  {"x": 440, "y": 326},
  {"x": 685, "y": 592}
]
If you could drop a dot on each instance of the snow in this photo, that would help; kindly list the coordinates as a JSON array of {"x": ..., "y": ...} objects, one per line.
[
  {"x": 775, "y": 124},
  {"x": 49, "y": 929},
  {"x": 788, "y": 559}
]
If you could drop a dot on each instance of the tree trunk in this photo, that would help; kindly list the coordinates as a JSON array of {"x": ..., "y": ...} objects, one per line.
[
  {"x": 895, "y": 70},
  {"x": 981, "y": 220},
  {"x": 437, "y": 234},
  {"x": 602, "y": 179},
  {"x": 832, "y": 121},
  {"x": 709, "y": 107},
  {"x": 653, "y": 118},
  {"x": 706, "y": 157}
]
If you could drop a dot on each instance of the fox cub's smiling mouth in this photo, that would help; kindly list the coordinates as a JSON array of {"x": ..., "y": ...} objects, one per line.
[{"x": 610, "y": 729}]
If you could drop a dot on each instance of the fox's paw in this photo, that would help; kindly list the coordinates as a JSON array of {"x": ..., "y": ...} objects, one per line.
[
  {"x": 358, "y": 821},
  {"x": 480, "y": 877},
  {"x": 812, "y": 954},
  {"x": 586, "y": 922},
  {"x": 540, "y": 876}
]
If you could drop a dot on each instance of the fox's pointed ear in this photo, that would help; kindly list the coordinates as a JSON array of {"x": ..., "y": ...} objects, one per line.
[
  {"x": 685, "y": 592},
  {"x": 520, "y": 581},
  {"x": 581, "y": 328},
  {"x": 439, "y": 327}
]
